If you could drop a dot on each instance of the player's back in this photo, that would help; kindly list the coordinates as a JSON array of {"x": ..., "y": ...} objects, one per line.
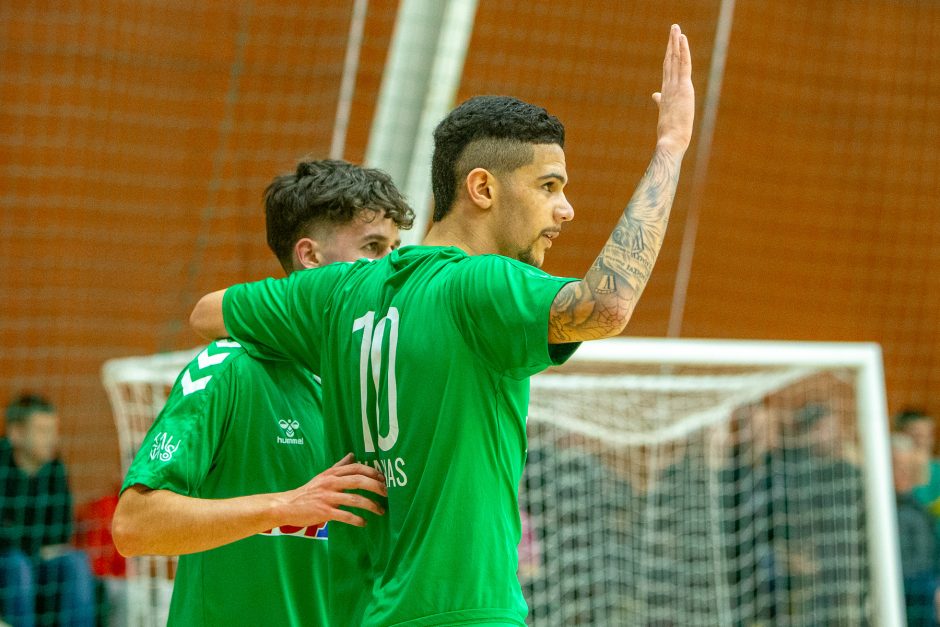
[
  {"x": 425, "y": 357},
  {"x": 429, "y": 354},
  {"x": 234, "y": 426}
]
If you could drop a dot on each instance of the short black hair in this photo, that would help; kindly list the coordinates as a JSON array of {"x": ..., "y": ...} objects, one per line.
[
  {"x": 492, "y": 132},
  {"x": 907, "y": 416},
  {"x": 327, "y": 192},
  {"x": 25, "y": 405}
]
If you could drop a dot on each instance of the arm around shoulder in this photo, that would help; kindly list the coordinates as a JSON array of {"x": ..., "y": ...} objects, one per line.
[
  {"x": 162, "y": 522},
  {"x": 206, "y": 318}
]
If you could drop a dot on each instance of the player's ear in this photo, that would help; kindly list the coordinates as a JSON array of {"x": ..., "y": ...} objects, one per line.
[
  {"x": 307, "y": 254},
  {"x": 480, "y": 185}
]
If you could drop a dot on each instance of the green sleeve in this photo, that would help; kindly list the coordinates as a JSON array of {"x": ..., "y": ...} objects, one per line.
[
  {"x": 502, "y": 309},
  {"x": 282, "y": 318},
  {"x": 180, "y": 447}
]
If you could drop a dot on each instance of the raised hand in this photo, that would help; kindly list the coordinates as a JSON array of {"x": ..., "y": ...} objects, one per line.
[
  {"x": 676, "y": 101},
  {"x": 601, "y": 305}
]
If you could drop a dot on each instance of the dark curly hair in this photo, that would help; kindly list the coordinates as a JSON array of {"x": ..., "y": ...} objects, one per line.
[
  {"x": 492, "y": 132},
  {"x": 327, "y": 192}
]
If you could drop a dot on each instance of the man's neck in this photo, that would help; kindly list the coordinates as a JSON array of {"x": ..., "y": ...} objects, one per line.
[
  {"x": 26, "y": 463},
  {"x": 449, "y": 232}
]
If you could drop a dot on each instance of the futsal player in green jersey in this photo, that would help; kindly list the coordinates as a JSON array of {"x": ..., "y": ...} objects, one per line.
[
  {"x": 426, "y": 354},
  {"x": 224, "y": 475}
]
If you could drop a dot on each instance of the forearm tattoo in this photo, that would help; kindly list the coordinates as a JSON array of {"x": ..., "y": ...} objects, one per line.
[{"x": 599, "y": 305}]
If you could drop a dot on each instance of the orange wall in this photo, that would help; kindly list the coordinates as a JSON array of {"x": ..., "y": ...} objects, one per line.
[{"x": 135, "y": 142}]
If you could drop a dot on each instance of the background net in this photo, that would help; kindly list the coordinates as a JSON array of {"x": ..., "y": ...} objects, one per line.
[{"x": 695, "y": 496}]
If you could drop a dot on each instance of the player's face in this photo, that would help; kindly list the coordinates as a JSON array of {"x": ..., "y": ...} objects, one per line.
[
  {"x": 533, "y": 206},
  {"x": 38, "y": 437},
  {"x": 369, "y": 235},
  {"x": 922, "y": 432}
]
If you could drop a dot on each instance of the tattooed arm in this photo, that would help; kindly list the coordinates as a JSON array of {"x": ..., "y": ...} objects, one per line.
[{"x": 600, "y": 305}]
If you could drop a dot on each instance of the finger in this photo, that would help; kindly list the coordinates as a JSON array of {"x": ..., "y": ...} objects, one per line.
[
  {"x": 347, "y": 459},
  {"x": 676, "y": 34},
  {"x": 359, "y": 482},
  {"x": 360, "y": 469},
  {"x": 341, "y": 515},
  {"x": 359, "y": 502},
  {"x": 685, "y": 57},
  {"x": 667, "y": 60},
  {"x": 657, "y": 97}
]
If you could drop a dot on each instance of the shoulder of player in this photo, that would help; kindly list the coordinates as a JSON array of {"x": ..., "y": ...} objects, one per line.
[
  {"x": 494, "y": 265},
  {"x": 211, "y": 365}
]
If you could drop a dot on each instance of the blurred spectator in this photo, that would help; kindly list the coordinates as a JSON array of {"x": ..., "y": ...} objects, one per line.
[
  {"x": 919, "y": 565},
  {"x": 574, "y": 582},
  {"x": 681, "y": 539},
  {"x": 530, "y": 551},
  {"x": 93, "y": 535},
  {"x": 822, "y": 504},
  {"x": 43, "y": 580},
  {"x": 921, "y": 429},
  {"x": 756, "y": 575}
]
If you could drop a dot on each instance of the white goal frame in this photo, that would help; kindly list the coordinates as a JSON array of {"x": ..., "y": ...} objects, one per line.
[
  {"x": 136, "y": 388},
  {"x": 865, "y": 359}
]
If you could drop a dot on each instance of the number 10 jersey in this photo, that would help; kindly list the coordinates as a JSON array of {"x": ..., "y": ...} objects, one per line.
[{"x": 425, "y": 358}]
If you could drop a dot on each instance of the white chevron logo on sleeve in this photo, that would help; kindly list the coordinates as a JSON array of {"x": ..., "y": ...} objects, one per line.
[
  {"x": 190, "y": 386},
  {"x": 205, "y": 359},
  {"x": 228, "y": 344}
]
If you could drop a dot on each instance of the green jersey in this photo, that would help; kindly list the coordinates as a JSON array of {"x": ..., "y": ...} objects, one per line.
[
  {"x": 233, "y": 426},
  {"x": 426, "y": 356}
]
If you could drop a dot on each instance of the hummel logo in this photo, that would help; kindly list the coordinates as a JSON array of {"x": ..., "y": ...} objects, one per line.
[{"x": 290, "y": 428}]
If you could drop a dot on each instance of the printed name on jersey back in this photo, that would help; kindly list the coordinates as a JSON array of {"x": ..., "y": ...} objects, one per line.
[
  {"x": 197, "y": 374},
  {"x": 394, "y": 471},
  {"x": 313, "y": 532}
]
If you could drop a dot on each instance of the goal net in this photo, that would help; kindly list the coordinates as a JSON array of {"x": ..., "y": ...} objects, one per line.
[
  {"x": 710, "y": 483},
  {"x": 138, "y": 388}
]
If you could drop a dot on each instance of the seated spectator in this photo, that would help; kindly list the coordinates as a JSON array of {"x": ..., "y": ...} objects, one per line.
[
  {"x": 819, "y": 509},
  {"x": 921, "y": 429},
  {"x": 43, "y": 580},
  {"x": 919, "y": 565}
]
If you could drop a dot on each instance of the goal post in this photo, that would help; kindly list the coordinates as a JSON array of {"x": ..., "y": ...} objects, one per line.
[
  {"x": 710, "y": 482},
  {"x": 137, "y": 389}
]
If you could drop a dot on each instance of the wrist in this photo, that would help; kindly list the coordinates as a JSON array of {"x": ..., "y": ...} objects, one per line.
[{"x": 671, "y": 149}]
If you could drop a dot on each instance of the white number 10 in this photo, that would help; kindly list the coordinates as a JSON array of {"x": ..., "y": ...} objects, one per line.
[{"x": 370, "y": 354}]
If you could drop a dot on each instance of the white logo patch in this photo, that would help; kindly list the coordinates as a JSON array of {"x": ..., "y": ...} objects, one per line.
[
  {"x": 163, "y": 447},
  {"x": 290, "y": 428}
]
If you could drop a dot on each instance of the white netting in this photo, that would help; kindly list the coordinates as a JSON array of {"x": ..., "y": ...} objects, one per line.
[
  {"x": 700, "y": 495},
  {"x": 138, "y": 388}
]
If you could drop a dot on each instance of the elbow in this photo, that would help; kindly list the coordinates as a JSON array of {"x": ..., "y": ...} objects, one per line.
[
  {"x": 206, "y": 319},
  {"x": 617, "y": 319},
  {"x": 197, "y": 319},
  {"x": 125, "y": 540}
]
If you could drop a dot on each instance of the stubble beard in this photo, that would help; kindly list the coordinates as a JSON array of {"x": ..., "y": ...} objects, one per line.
[{"x": 528, "y": 256}]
